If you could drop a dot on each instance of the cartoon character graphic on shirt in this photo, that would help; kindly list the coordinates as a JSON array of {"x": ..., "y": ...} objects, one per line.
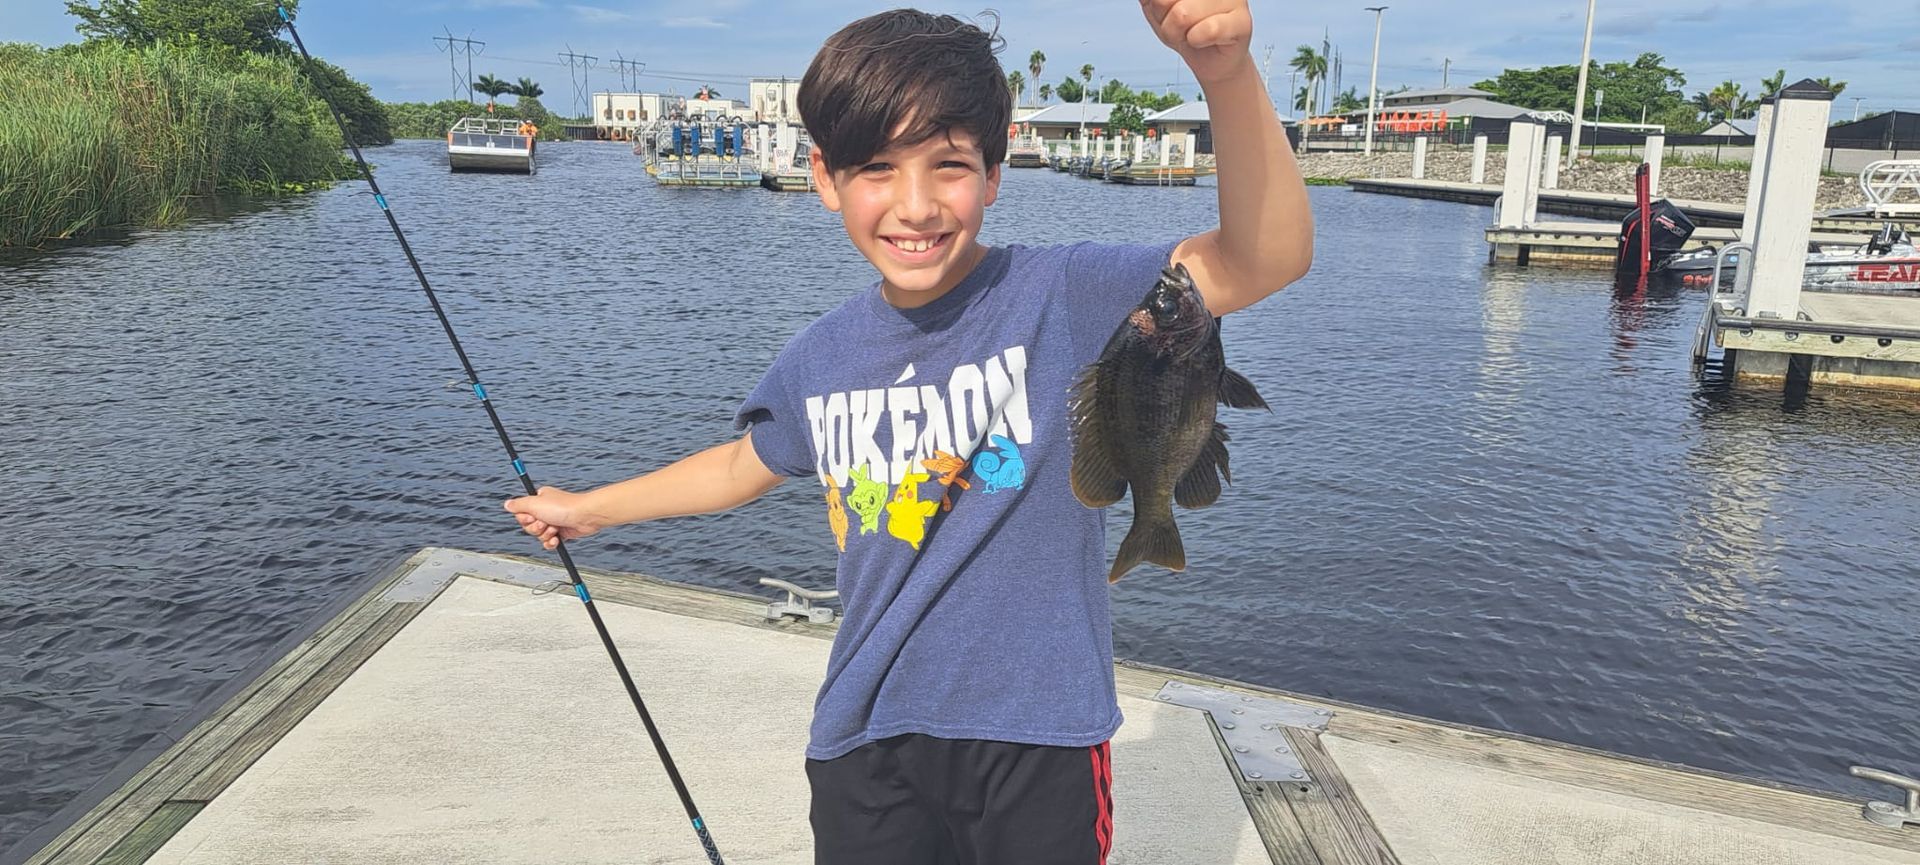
[
  {"x": 837, "y": 517},
  {"x": 949, "y": 467},
  {"x": 1002, "y": 469},
  {"x": 867, "y": 498},
  {"x": 907, "y": 515}
]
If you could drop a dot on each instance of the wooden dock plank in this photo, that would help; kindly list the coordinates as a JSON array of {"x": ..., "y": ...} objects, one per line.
[
  {"x": 1280, "y": 830},
  {"x": 1358, "y": 825},
  {"x": 95, "y": 831},
  {"x": 152, "y": 834},
  {"x": 254, "y": 739}
]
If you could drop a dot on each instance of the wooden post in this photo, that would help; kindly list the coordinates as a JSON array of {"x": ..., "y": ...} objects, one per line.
[
  {"x": 1479, "y": 159},
  {"x": 1523, "y": 172},
  {"x": 1420, "y": 158},
  {"x": 1192, "y": 142},
  {"x": 1166, "y": 150},
  {"x": 1552, "y": 180},
  {"x": 1762, "y": 139},
  {"x": 1656, "y": 151},
  {"x": 1787, "y": 194}
]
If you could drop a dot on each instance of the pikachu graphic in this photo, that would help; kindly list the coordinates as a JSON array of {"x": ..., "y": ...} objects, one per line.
[{"x": 907, "y": 515}]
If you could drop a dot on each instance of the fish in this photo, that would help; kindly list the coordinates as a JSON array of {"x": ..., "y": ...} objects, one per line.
[{"x": 1143, "y": 418}]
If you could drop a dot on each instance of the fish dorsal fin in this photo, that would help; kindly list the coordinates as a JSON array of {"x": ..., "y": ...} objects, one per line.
[
  {"x": 1237, "y": 392},
  {"x": 1097, "y": 478},
  {"x": 1200, "y": 486}
]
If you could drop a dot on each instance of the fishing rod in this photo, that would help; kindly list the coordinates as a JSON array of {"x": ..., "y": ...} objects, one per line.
[{"x": 519, "y": 468}]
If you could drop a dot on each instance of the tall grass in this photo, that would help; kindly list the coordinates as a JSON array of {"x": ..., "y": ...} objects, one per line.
[{"x": 105, "y": 135}]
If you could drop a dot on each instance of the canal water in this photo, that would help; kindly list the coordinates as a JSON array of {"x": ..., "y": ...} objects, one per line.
[{"x": 1487, "y": 495}]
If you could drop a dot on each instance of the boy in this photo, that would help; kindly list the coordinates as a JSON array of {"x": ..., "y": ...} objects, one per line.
[{"x": 969, "y": 694}]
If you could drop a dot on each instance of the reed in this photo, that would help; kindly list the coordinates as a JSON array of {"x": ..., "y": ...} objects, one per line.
[{"x": 105, "y": 135}]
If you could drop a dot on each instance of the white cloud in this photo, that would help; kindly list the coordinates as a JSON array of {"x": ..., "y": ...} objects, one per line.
[
  {"x": 699, "y": 23},
  {"x": 598, "y": 15}
]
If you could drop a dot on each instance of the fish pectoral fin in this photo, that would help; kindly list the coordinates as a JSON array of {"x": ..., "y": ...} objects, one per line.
[
  {"x": 1096, "y": 477},
  {"x": 1237, "y": 392},
  {"x": 1153, "y": 538},
  {"x": 1200, "y": 486}
]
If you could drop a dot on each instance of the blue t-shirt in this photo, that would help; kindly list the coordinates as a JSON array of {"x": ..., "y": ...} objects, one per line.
[{"x": 972, "y": 582}]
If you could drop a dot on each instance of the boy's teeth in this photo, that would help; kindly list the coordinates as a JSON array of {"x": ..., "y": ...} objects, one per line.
[{"x": 914, "y": 245}]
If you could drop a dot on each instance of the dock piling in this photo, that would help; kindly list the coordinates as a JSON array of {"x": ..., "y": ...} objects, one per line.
[
  {"x": 1656, "y": 150},
  {"x": 1479, "y": 159},
  {"x": 1520, "y": 196},
  {"x": 1762, "y": 138},
  {"x": 1552, "y": 180},
  {"x": 1191, "y": 140},
  {"x": 1420, "y": 158},
  {"x": 1787, "y": 192}
]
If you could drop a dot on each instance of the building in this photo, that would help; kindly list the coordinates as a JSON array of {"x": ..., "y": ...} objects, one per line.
[
  {"x": 1745, "y": 127},
  {"x": 617, "y": 115},
  {"x": 1064, "y": 121},
  {"x": 774, "y": 100},
  {"x": 1461, "y": 104}
]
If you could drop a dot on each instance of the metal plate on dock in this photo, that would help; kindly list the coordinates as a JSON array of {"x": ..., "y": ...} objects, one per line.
[
  {"x": 1254, "y": 728},
  {"x": 442, "y": 565}
]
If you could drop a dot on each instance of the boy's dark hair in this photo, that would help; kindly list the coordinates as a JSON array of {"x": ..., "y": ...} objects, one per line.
[{"x": 933, "y": 73}]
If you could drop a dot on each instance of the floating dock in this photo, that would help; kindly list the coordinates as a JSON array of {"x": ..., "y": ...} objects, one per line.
[{"x": 457, "y": 710}]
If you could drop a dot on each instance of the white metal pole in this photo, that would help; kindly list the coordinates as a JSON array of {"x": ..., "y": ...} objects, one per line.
[
  {"x": 1580, "y": 89},
  {"x": 1373, "y": 80}
]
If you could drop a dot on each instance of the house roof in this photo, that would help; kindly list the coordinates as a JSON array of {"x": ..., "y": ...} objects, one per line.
[
  {"x": 1443, "y": 94},
  {"x": 1071, "y": 114},
  {"x": 1185, "y": 112},
  {"x": 1740, "y": 126},
  {"x": 1459, "y": 108}
]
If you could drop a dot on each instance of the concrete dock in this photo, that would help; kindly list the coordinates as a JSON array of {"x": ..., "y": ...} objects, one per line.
[{"x": 455, "y": 713}]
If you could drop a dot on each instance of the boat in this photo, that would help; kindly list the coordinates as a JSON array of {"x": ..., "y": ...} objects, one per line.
[
  {"x": 1025, "y": 150},
  {"x": 1886, "y": 262},
  {"x": 792, "y": 165},
  {"x": 706, "y": 153},
  {"x": 490, "y": 144}
]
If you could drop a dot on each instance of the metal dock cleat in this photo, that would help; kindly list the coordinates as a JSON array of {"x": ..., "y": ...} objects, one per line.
[
  {"x": 799, "y": 602},
  {"x": 1888, "y": 813}
]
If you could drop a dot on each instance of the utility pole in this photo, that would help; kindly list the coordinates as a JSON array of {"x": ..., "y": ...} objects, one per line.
[
  {"x": 1446, "y": 66},
  {"x": 1266, "y": 72},
  {"x": 1373, "y": 81},
  {"x": 629, "y": 69},
  {"x": 582, "y": 90},
  {"x": 1856, "y": 107},
  {"x": 1580, "y": 89},
  {"x": 454, "y": 48}
]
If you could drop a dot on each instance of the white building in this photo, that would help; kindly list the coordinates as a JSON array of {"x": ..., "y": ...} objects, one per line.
[
  {"x": 625, "y": 112},
  {"x": 774, "y": 100}
]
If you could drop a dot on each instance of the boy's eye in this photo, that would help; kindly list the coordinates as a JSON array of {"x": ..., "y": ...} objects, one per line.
[
  {"x": 875, "y": 166},
  {"x": 956, "y": 164}
]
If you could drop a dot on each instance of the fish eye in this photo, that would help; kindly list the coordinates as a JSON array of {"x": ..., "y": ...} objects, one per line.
[{"x": 1165, "y": 304}]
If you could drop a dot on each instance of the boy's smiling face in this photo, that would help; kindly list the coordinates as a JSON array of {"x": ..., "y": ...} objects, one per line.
[{"x": 915, "y": 212}]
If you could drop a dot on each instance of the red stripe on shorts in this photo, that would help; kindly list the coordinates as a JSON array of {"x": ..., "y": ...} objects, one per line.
[{"x": 1102, "y": 756}]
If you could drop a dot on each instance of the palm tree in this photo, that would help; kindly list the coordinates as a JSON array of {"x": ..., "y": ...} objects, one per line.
[
  {"x": 1070, "y": 90},
  {"x": 1830, "y": 84},
  {"x": 1313, "y": 65},
  {"x": 1016, "y": 83},
  {"x": 1046, "y": 93},
  {"x": 1086, "y": 74},
  {"x": 1771, "y": 85},
  {"x": 1301, "y": 98},
  {"x": 527, "y": 89},
  {"x": 493, "y": 87},
  {"x": 1035, "y": 61}
]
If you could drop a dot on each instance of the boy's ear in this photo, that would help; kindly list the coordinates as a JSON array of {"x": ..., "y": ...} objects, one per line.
[
  {"x": 823, "y": 183},
  {"x": 993, "y": 183}
]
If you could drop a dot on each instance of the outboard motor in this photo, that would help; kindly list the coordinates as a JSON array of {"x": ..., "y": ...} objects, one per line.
[{"x": 1664, "y": 227}]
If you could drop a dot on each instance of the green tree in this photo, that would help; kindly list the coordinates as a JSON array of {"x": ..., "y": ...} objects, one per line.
[
  {"x": 527, "y": 88},
  {"x": 1070, "y": 90},
  {"x": 1349, "y": 101},
  {"x": 491, "y": 86},
  {"x": 1016, "y": 82},
  {"x": 1086, "y": 74},
  {"x": 1115, "y": 92},
  {"x": 252, "y": 28},
  {"x": 1771, "y": 84},
  {"x": 1046, "y": 93},
  {"x": 1301, "y": 98},
  {"x": 365, "y": 116},
  {"x": 1035, "y": 62},
  {"x": 1646, "y": 83},
  {"x": 1129, "y": 117},
  {"x": 1830, "y": 84}
]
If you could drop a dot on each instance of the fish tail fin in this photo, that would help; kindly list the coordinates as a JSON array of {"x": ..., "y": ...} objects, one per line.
[{"x": 1153, "y": 538}]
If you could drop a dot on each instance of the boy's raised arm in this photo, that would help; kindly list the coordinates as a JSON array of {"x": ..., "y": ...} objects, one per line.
[
  {"x": 716, "y": 479},
  {"x": 1265, "y": 238}
]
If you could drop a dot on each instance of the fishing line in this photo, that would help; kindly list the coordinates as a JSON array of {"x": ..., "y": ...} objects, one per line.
[{"x": 519, "y": 468}]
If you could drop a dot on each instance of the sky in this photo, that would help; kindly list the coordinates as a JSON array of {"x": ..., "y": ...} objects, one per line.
[{"x": 389, "y": 44}]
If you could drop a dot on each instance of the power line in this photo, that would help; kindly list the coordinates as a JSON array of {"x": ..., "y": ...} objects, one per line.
[
  {"x": 454, "y": 48},
  {"x": 629, "y": 69},
  {"x": 582, "y": 88}
]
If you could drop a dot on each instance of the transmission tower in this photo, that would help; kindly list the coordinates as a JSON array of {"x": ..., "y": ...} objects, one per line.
[
  {"x": 629, "y": 72},
  {"x": 582, "y": 90},
  {"x": 454, "y": 48}
]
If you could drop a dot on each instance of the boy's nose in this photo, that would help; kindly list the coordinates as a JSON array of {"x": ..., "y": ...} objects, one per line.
[{"x": 915, "y": 204}]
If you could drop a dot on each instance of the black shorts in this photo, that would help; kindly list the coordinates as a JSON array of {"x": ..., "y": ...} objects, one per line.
[{"x": 921, "y": 800}]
